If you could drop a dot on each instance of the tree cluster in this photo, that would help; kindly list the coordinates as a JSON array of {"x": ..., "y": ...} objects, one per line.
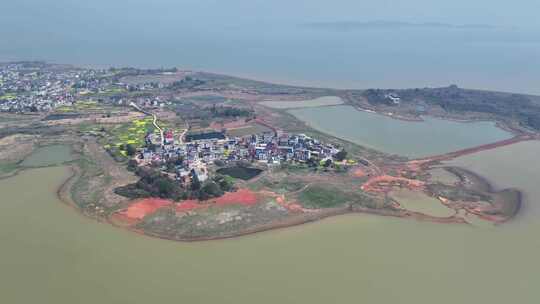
[
  {"x": 454, "y": 99},
  {"x": 341, "y": 155},
  {"x": 153, "y": 183},
  {"x": 186, "y": 83},
  {"x": 223, "y": 111}
]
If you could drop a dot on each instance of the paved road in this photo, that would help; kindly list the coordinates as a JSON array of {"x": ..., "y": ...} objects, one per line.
[{"x": 181, "y": 140}]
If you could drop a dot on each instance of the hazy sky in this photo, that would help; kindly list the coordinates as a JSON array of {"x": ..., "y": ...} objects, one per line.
[
  {"x": 264, "y": 39},
  {"x": 498, "y": 12},
  {"x": 522, "y": 13}
]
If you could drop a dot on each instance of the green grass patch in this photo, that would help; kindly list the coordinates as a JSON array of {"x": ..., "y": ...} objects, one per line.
[
  {"x": 88, "y": 187},
  {"x": 281, "y": 185},
  {"x": 323, "y": 196}
]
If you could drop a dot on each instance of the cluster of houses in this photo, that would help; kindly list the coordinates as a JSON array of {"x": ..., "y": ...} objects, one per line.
[
  {"x": 393, "y": 97},
  {"x": 41, "y": 87},
  {"x": 36, "y": 87},
  {"x": 197, "y": 154},
  {"x": 145, "y": 102}
]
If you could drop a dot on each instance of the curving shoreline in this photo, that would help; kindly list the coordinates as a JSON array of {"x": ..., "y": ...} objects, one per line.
[
  {"x": 63, "y": 194},
  {"x": 484, "y": 184}
]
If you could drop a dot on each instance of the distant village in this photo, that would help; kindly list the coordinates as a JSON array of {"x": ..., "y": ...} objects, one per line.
[
  {"x": 37, "y": 87},
  {"x": 193, "y": 156},
  {"x": 31, "y": 87}
]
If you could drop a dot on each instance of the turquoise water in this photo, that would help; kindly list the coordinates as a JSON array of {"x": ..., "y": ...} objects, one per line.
[{"x": 411, "y": 139}]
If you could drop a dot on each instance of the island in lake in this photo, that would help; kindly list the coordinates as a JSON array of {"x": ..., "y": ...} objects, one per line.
[{"x": 187, "y": 156}]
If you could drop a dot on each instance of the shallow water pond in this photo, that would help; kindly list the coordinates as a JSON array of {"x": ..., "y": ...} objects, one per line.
[
  {"x": 49, "y": 155},
  {"x": 420, "y": 202},
  {"x": 412, "y": 139}
]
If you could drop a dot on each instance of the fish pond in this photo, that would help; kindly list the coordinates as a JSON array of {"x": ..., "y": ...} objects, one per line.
[
  {"x": 411, "y": 139},
  {"x": 244, "y": 173}
]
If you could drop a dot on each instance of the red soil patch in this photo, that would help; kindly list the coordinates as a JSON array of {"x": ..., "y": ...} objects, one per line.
[
  {"x": 384, "y": 183},
  {"x": 138, "y": 210},
  {"x": 144, "y": 207},
  {"x": 359, "y": 173},
  {"x": 188, "y": 205},
  {"x": 293, "y": 207},
  {"x": 244, "y": 197}
]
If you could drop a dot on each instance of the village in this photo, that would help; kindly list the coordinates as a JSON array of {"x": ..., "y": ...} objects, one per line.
[
  {"x": 192, "y": 155},
  {"x": 38, "y": 87}
]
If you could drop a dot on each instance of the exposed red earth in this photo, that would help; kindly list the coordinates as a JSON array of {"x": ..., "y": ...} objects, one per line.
[
  {"x": 141, "y": 208},
  {"x": 188, "y": 205},
  {"x": 291, "y": 206},
  {"x": 244, "y": 197},
  {"x": 381, "y": 181},
  {"x": 385, "y": 183},
  {"x": 359, "y": 173}
]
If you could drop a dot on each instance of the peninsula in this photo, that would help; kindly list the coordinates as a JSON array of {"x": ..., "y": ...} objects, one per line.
[{"x": 187, "y": 155}]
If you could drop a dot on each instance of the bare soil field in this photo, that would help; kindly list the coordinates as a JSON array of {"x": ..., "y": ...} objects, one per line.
[{"x": 16, "y": 147}]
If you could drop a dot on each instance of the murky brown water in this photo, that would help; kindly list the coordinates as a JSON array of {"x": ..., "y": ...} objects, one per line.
[{"x": 51, "y": 254}]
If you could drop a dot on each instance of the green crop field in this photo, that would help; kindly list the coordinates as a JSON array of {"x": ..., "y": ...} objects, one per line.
[
  {"x": 8, "y": 96},
  {"x": 131, "y": 133}
]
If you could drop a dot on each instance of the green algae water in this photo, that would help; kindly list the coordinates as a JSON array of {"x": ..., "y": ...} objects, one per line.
[
  {"x": 412, "y": 139},
  {"x": 52, "y": 254},
  {"x": 48, "y": 156}
]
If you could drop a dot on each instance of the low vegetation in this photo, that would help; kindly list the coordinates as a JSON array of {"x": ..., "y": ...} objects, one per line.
[
  {"x": 240, "y": 172},
  {"x": 456, "y": 100},
  {"x": 121, "y": 140},
  {"x": 323, "y": 196},
  {"x": 193, "y": 110}
]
